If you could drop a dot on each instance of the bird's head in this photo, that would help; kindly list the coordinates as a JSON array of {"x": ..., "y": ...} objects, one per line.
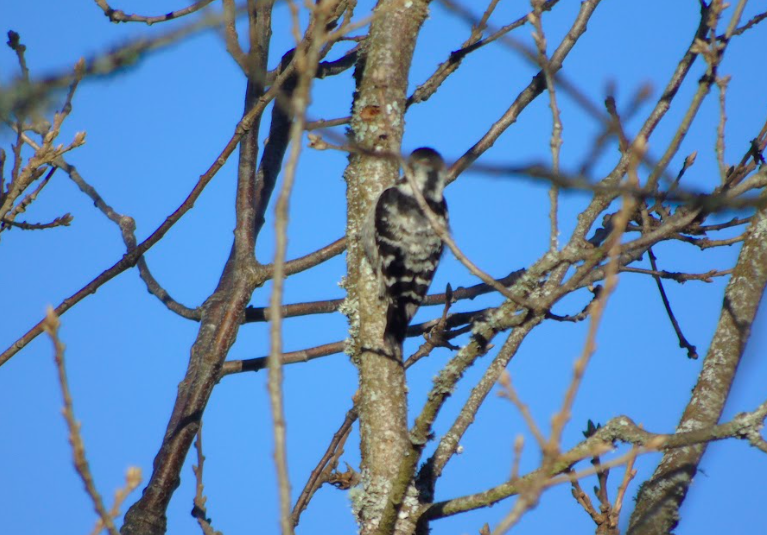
[{"x": 427, "y": 169}]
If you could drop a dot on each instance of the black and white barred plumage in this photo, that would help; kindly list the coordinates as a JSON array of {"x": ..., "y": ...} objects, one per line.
[{"x": 400, "y": 242}]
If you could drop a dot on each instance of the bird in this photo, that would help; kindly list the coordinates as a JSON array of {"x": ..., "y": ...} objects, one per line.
[{"x": 401, "y": 243}]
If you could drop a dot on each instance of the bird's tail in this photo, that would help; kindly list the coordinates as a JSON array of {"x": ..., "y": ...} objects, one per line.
[{"x": 397, "y": 322}]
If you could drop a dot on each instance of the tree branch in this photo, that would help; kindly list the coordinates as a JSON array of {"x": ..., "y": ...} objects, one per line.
[
  {"x": 222, "y": 312},
  {"x": 657, "y": 508},
  {"x": 117, "y": 15},
  {"x": 619, "y": 429}
]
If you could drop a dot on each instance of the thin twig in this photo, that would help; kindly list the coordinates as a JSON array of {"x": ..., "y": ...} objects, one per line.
[
  {"x": 132, "y": 481},
  {"x": 721, "y": 83},
  {"x": 519, "y": 444},
  {"x": 290, "y": 357},
  {"x": 678, "y": 277},
  {"x": 622, "y": 429},
  {"x": 118, "y": 15},
  {"x": 713, "y": 55},
  {"x": 584, "y": 501},
  {"x": 306, "y": 59},
  {"x": 600, "y": 144},
  {"x": 750, "y": 24},
  {"x": 200, "y": 511},
  {"x": 556, "y": 129},
  {"x": 232, "y": 39},
  {"x": 130, "y": 259},
  {"x": 424, "y": 91},
  {"x": 259, "y": 314},
  {"x": 21, "y": 95},
  {"x": 612, "y": 245},
  {"x": 61, "y": 221},
  {"x": 511, "y": 394},
  {"x": 127, "y": 228},
  {"x": 51, "y": 325},
  {"x": 692, "y": 351},
  {"x": 628, "y": 475},
  {"x": 596, "y": 291},
  {"x": 314, "y": 482},
  {"x": 527, "y": 95},
  {"x": 44, "y": 156}
]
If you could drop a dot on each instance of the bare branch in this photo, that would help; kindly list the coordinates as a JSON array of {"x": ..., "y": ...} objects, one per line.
[
  {"x": 306, "y": 60},
  {"x": 132, "y": 481},
  {"x": 527, "y": 95},
  {"x": 556, "y": 128},
  {"x": 326, "y": 464},
  {"x": 659, "y": 500},
  {"x": 23, "y": 95},
  {"x": 619, "y": 429},
  {"x": 678, "y": 277},
  {"x": 232, "y": 39},
  {"x": 750, "y": 24},
  {"x": 200, "y": 511},
  {"x": 117, "y": 15},
  {"x": 692, "y": 352},
  {"x": 130, "y": 259},
  {"x": 51, "y": 325}
]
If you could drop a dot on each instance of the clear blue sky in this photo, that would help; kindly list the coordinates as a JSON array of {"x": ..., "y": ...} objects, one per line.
[{"x": 154, "y": 128}]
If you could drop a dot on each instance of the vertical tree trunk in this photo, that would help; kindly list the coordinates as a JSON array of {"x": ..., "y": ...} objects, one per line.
[{"x": 377, "y": 128}]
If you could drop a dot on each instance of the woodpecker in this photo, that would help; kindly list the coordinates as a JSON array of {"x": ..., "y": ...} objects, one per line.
[{"x": 400, "y": 242}]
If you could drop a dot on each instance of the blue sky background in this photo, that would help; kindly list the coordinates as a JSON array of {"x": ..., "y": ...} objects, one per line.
[{"x": 154, "y": 128}]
